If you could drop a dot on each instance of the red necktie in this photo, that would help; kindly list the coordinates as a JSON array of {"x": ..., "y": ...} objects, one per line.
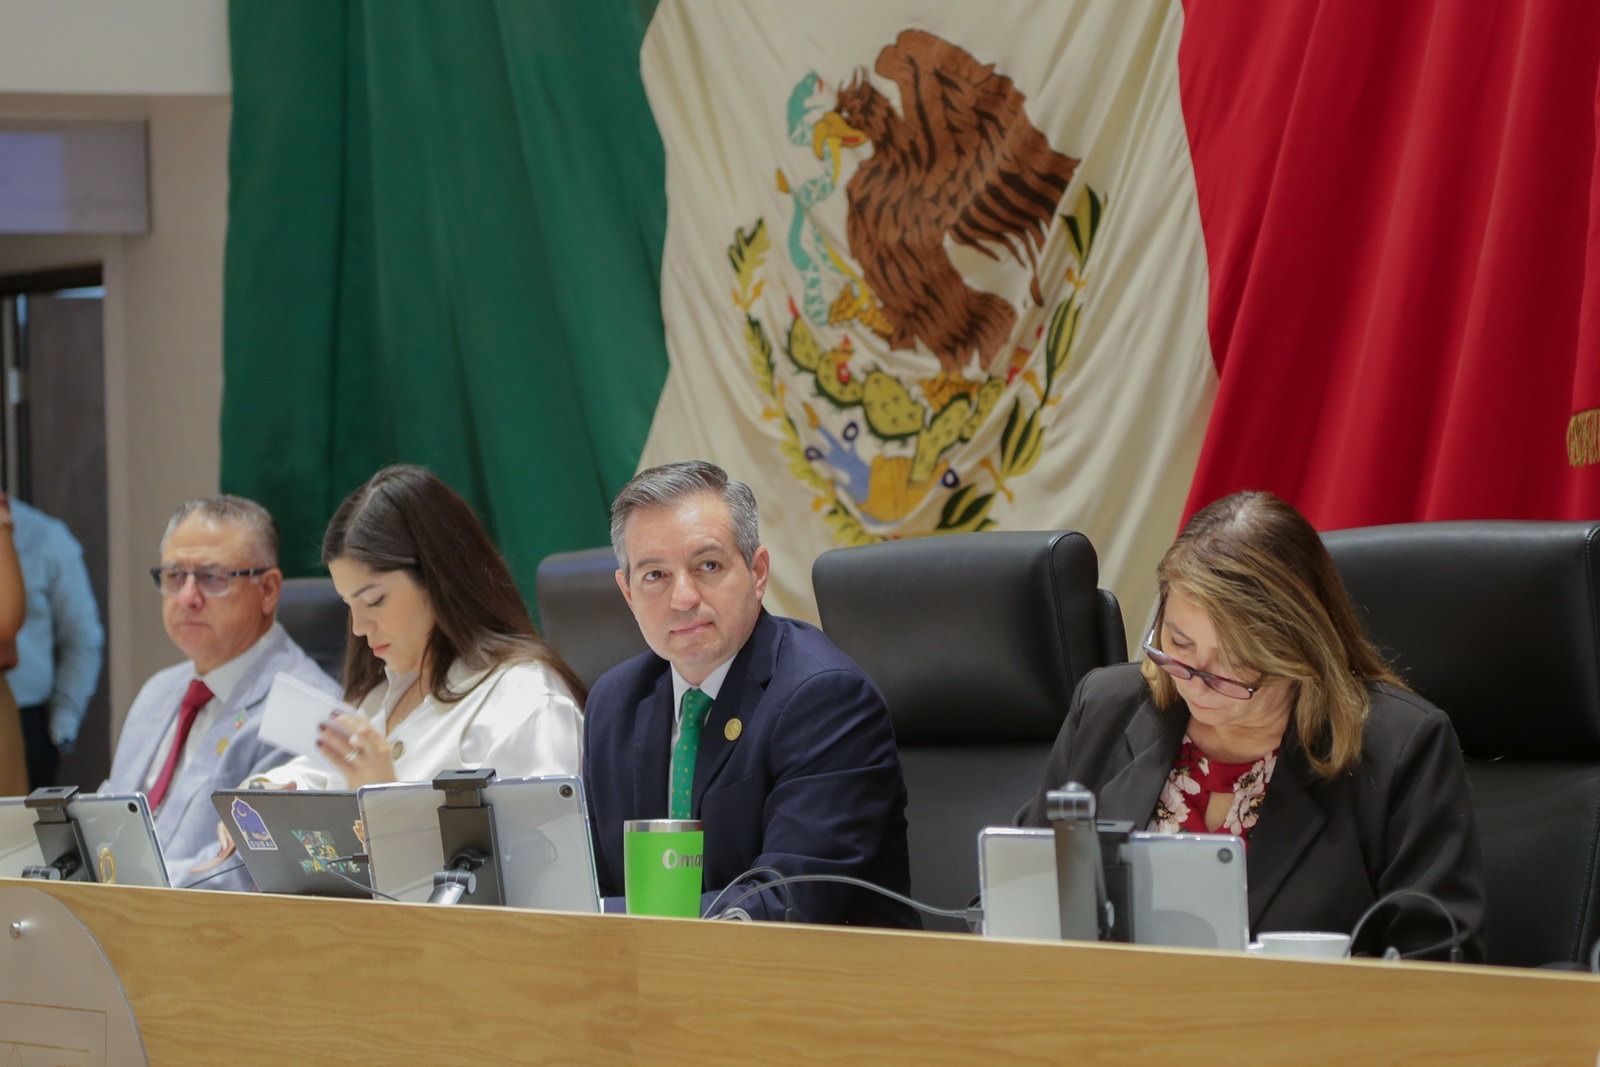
[{"x": 196, "y": 698}]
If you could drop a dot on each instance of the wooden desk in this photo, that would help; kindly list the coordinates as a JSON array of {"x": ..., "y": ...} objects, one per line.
[{"x": 252, "y": 979}]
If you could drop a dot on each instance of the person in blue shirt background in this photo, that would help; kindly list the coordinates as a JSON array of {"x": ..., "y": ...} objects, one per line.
[{"x": 60, "y": 645}]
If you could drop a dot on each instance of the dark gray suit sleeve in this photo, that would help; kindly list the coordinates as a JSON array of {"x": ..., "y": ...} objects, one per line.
[
  {"x": 1083, "y": 751},
  {"x": 1057, "y": 769},
  {"x": 1432, "y": 841}
]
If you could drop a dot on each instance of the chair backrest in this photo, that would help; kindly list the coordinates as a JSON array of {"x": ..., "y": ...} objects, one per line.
[
  {"x": 1498, "y": 623},
  {"x": 977, "y": 641},
  {"x": 582, "y": 613},
  {"x": 311, "y": 611}
]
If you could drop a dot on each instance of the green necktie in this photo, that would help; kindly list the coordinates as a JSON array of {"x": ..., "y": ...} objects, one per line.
[{"x": 695, "y": 706}]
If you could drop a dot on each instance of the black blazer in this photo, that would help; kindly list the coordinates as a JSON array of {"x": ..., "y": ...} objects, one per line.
[
  {"x": 808, "y": 782},
  {"x": 1322, "y": 850}
]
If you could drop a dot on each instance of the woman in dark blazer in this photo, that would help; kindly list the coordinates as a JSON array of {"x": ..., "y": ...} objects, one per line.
[{"x": 1262, "y": 710}]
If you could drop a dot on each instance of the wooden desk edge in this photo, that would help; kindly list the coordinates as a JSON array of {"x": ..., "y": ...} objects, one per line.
[{"x": 534, "y": 985}]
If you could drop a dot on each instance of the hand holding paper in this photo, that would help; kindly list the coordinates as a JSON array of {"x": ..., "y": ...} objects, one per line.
[{"x": 292, "y": 714}]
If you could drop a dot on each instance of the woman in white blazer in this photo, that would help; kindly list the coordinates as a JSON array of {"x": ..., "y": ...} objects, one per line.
[{"x": 443, "y": 663}]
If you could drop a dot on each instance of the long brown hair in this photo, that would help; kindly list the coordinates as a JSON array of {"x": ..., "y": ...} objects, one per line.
[
  {"x": 406, "y": 519},
  {"x": 1261, "y": 573}
]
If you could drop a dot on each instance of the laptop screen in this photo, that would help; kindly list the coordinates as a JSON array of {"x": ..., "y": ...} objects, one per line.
[{"x": 297, "y": 840}]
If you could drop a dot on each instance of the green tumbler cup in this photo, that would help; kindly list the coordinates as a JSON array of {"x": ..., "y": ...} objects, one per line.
[{"x": 662, "y": 862}]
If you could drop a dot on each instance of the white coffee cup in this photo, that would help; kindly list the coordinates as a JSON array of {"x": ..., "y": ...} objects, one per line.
[{"x": 1304, "y": 943}]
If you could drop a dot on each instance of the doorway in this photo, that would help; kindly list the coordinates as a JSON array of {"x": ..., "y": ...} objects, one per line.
[{"x": 53, "y": 434}]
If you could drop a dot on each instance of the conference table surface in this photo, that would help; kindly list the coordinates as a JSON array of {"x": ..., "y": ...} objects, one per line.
[{"x": 244, "y": 978}]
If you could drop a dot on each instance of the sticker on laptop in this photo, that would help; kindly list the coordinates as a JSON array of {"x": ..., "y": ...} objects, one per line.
[
  {"x": 252, "y": 827},
  {"x": 319, "y": 845}
]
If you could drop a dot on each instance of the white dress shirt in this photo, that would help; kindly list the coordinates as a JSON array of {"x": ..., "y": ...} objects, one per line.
[{"x": 518, "y": 718}]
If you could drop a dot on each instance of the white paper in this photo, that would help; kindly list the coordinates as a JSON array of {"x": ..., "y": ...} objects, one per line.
[{"x": 292, "y": 714}]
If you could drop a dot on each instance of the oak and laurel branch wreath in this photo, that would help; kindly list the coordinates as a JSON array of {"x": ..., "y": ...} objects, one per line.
[{"x": 968, "y": 506}]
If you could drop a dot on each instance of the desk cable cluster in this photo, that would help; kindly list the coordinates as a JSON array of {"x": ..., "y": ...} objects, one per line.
[{"x": 776, "y": 879}]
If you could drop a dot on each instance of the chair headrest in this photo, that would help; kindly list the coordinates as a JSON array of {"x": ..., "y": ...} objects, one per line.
[
  {"x": 1497, "y": 622},
  {"x": 310, "y": 611},
  {"x": 582, "y": 613},
  {"x": 968, "y": 635}
]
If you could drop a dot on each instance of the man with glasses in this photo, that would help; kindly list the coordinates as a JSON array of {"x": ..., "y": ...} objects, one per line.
[{"x": 192, "y": 728}]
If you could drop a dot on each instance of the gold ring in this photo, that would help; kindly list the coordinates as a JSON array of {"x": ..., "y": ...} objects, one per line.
[{"x": 350, "y": 757}]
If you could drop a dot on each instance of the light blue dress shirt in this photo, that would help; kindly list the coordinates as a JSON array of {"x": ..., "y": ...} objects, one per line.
[{"x": 60, "y": 645}]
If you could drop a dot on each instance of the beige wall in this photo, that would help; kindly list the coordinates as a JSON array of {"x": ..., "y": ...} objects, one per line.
[
  {"x": 163, "y": 347},
  {"x": 165, "y": 61},
  {"x": 144, "y": 47}
]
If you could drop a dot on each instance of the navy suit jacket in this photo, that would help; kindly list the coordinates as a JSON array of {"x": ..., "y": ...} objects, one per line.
[
  {"x": 1322, "y": 850},
  {"x": 808, "y": 781}
]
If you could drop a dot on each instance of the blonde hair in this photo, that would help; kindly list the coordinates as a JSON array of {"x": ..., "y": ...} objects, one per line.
[{"x": 1260, "y": 572}]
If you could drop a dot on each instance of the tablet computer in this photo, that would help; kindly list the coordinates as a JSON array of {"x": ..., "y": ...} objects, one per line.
[
  {"x": 119, "y": 838},
  {"x": 1188, "y": 889},
  {"x": 541, "y": 831}
]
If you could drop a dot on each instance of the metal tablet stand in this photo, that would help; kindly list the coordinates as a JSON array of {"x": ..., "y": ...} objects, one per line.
[
  {"x": 471, "y": 873},
  {"x": 1093, "y": 880},
  {"x": 60, "y": 839}
]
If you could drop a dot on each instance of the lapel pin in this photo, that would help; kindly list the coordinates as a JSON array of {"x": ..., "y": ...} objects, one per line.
[{"x": 733, "y": 729}]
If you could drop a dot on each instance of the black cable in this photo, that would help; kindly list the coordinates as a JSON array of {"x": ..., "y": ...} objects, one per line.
[
  {"x": 843, "y": 879},
  {"x": 354, "y": 857},
  {"x": 215, "y": 874},
  {"x": 1453, "y": 942}
]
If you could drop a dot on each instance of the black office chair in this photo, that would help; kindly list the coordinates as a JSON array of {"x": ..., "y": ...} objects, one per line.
[
  {"x": 310, "y": 609},
  {"x": 582, "y": 613},
  {"x": 977, "y": 641},
  {"x": 1498, "y": 623}
]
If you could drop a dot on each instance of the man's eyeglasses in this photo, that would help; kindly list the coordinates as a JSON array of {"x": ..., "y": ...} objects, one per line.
[
  {"x": 212, "y": 583},
  {"x": 1178, "y": 669}
]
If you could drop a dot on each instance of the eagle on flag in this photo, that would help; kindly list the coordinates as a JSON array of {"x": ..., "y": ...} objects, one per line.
[{"x": 962, "y": 162}]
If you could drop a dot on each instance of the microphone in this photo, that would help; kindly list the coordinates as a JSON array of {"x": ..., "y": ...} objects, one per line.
[{"x": 1086, "y": 913}]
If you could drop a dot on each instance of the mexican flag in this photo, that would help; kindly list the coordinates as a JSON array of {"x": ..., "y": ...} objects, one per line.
[
  {"x": 932, "y": 274},
  {"x": 918, "y": 267}
]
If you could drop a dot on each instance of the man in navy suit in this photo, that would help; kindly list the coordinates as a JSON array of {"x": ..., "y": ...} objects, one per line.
[{"x": 796, "y": 767}]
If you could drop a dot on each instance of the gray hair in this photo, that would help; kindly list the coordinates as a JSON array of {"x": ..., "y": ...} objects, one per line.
[
  {"x": 256, "y": 519},
  {"x": 670, "y": 483}
]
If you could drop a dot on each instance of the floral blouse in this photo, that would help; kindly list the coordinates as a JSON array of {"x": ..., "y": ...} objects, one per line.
[{"x": 1195, "y": 776}]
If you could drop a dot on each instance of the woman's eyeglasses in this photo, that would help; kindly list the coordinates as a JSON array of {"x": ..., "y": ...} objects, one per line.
[{"x": 1178, "y": 669}]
